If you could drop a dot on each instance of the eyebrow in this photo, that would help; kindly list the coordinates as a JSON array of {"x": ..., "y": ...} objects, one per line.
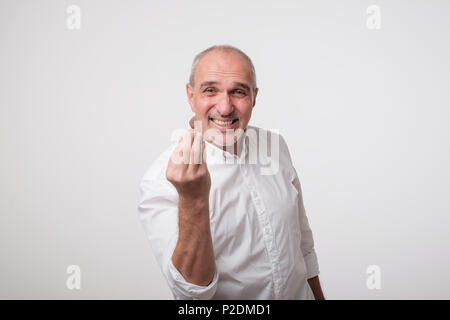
[{"x": 238, "y": 84}]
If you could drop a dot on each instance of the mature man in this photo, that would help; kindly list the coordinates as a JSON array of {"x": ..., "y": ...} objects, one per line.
[{"x": 222, "y": 226}]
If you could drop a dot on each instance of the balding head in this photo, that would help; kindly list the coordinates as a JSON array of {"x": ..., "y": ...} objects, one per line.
[{"x": 223, "y": 50}]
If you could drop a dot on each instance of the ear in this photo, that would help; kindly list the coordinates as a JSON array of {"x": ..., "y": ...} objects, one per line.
[
  {"x": 254, "y": 97},
  {"x": 190, "y": 96}
]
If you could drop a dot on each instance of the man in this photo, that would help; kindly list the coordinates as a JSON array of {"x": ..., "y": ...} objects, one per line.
[{"x": 221, "y": 226}]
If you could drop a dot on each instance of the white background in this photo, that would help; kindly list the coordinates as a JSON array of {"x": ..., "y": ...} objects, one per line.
[{"x": 83, "y": 113}]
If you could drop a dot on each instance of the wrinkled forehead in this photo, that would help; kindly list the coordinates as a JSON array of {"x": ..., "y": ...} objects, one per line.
[{"x": 224, "y": 67}]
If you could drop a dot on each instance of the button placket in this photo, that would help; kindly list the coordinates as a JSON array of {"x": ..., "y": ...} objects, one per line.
[{"x": 267, "y": 232}]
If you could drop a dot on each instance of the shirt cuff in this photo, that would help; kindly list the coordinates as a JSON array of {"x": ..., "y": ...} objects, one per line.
[
  {"x": 312, "y": 265},
  {"x": 183, "y": 290}
]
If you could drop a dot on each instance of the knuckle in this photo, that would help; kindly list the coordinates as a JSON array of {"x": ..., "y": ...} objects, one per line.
[
  {"x": 174, "y": 175},
  {"x": 169, "y": 174}
]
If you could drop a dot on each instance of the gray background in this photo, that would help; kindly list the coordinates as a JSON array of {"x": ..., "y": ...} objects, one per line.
[{"x": 84, "y": 112}]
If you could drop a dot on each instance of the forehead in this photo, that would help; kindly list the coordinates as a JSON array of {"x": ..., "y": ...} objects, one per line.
[{"x": 223, "y": 66}]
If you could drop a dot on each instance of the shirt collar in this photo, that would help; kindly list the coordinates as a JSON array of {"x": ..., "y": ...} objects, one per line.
[{"x": 216, "y": 153}]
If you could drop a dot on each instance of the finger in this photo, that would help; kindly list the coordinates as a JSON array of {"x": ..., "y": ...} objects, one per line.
[
  {"x": 177, "y": 157},
  {"x": 191, "y": 122},
  {"x": 196, "y": 150},
  {"x": 203, "y": 153},
  {"x": 209, "y": 135},
  {"x": 185, "y": 146}
]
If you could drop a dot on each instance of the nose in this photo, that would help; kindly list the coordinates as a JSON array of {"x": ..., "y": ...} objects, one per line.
[{"x": 224, "y": 106}]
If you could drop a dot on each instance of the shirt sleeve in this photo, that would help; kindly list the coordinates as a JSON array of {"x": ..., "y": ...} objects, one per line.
[
  {"x": 158, "y": 211},
  {"x": 307, "y": 241}
]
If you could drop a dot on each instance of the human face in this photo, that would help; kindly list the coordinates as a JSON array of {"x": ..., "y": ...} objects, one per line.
[{"x": 223, "y": 96}]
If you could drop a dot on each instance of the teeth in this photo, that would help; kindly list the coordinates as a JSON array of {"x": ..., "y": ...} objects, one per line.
[{"x": 222, "y": 123}]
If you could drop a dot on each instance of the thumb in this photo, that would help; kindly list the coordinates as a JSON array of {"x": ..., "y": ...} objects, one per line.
[{"x": 191, "y": 122}]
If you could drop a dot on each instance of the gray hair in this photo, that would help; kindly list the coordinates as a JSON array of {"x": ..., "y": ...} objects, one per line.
[{"x": 224, "y": 48}]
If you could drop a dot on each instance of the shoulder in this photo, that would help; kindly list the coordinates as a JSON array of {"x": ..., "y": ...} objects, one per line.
[{"x": 272, "y": 141}]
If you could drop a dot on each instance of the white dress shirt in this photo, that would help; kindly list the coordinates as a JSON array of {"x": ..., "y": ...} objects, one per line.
[{"x": 262, "y": 241}]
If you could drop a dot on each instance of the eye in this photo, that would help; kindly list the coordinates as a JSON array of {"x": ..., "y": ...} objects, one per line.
[
  {"x": 209, "y": 90},
  {"x": 240, "y": 92}
]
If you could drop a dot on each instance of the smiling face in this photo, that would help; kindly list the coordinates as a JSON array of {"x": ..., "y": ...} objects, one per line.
[{"x": 223, "y": 96}]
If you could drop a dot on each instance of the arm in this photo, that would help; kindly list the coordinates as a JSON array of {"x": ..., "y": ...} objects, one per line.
[
  {"x": 193, "y": 256},
  {"x": 314, "y": 284},
  {"x": 307, "y": 245},
  {"x": 159, "y": 211},
  {"x": 307, "y": 241}
]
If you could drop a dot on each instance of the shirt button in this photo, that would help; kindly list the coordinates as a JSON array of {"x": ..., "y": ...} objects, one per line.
[
  {"x": 275, "y": 269},
  {"x": 266, "y": 230}
]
